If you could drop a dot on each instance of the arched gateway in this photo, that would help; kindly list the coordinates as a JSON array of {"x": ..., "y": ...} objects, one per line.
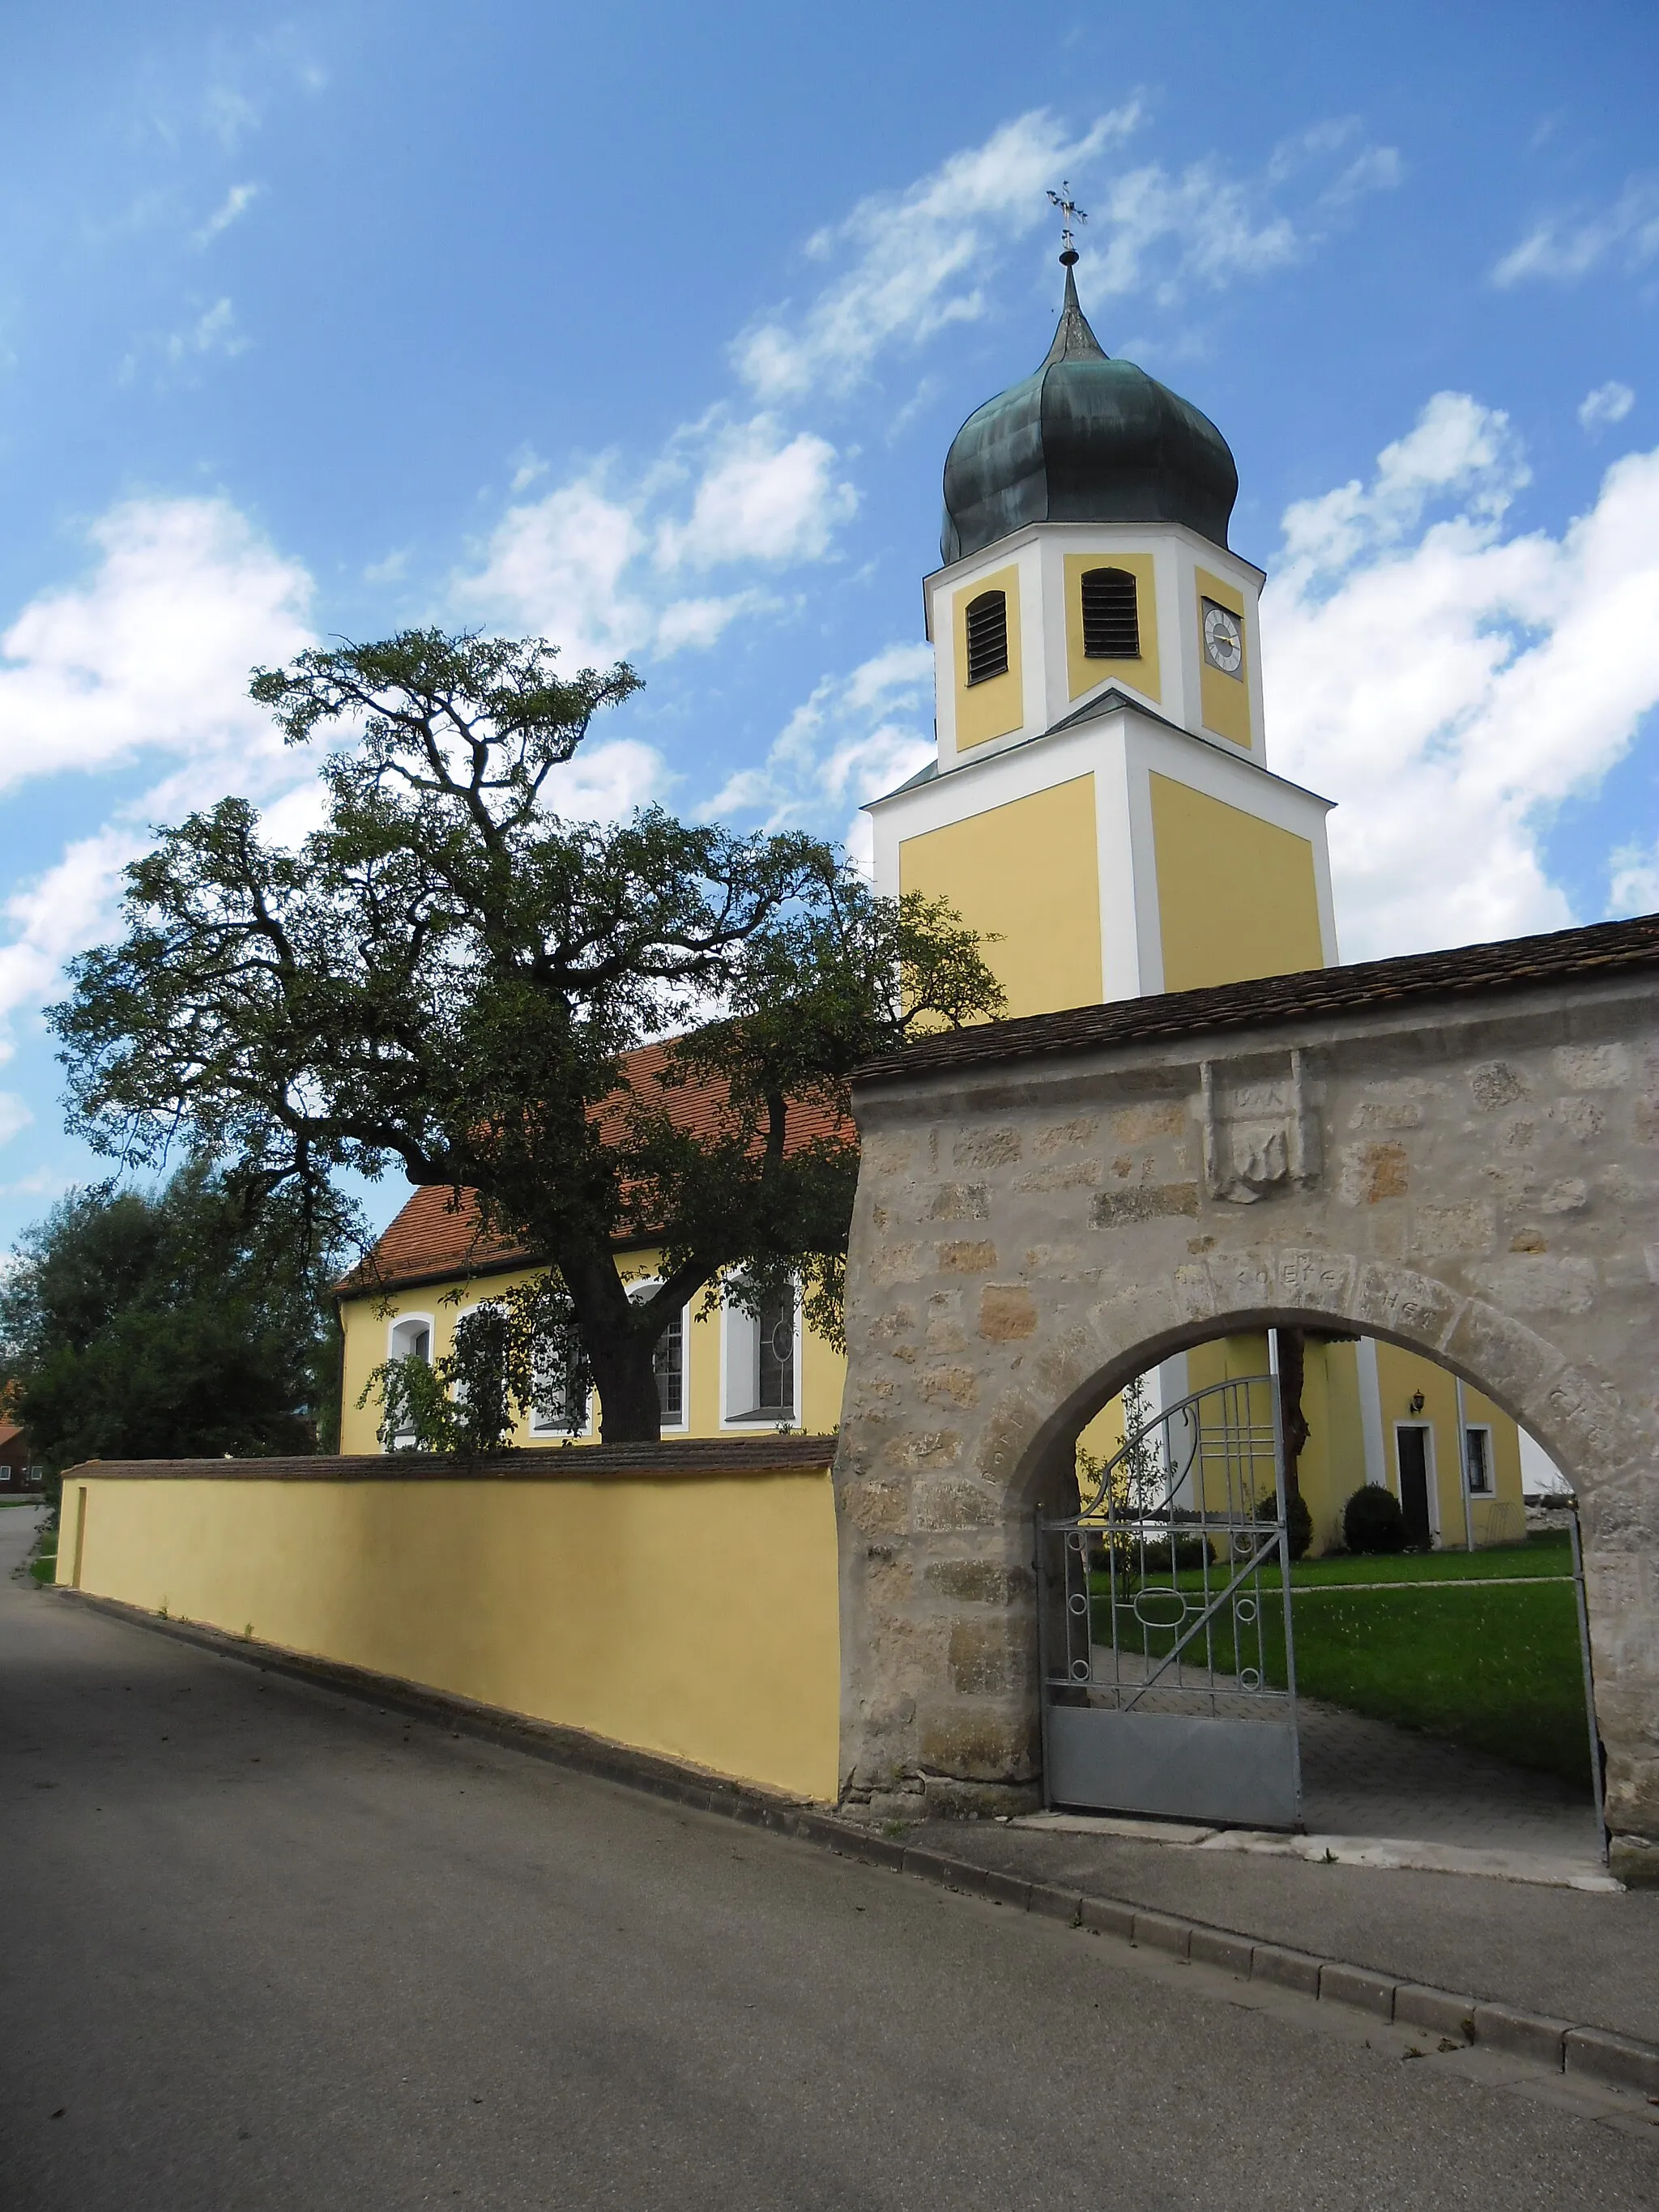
[{"x": 1457, "y": 1152}]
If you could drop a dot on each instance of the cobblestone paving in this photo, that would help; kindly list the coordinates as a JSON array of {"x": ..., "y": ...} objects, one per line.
[{"x": 1366, "y": 1777}]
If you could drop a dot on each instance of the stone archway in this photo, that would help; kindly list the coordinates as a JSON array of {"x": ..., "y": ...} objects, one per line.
[{"x": 1458, "y": 1153}]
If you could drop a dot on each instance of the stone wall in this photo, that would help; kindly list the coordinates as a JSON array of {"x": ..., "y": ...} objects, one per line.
[{"x": 1470, "y": 1177}]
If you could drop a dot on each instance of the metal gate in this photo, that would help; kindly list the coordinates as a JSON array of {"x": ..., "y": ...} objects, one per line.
[{"x": 1168, "y": 1670}]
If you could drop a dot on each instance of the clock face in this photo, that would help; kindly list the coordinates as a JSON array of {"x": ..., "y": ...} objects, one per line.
[{"x": 1224, "y": 640}]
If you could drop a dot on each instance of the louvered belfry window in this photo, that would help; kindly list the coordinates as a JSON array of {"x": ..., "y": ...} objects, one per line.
[
  {"x": 988, "y": 636},
  {"x": 1111, "y": 622}
]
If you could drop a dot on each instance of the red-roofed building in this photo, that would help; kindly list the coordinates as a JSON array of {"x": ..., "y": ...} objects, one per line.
[
  {"x": 723, "y": 1372},
  {"x": 21, "y": 1474}
]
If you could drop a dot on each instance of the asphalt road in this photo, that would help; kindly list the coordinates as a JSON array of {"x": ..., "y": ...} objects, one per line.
[{"x": 264, "y": 1946}]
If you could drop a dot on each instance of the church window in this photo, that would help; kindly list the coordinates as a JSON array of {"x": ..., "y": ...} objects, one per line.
[
  {"x": 1477, "y": 1452},
  {"x": 559, "y": 1406},
  {"x": 669, "y": 1362},
  {"x": 1111, "y": 621},
  {"x": 988, "y": 636}
]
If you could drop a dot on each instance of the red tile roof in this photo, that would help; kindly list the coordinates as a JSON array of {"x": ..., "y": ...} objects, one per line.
[{"x": 437, "y": 1237}]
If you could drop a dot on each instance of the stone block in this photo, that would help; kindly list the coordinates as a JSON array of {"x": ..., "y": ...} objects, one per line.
[
  {"x": 980, "y": 1582},
  {"x": 1357, "y": 1986},
  {"x": 1054, "y": 1904},
  {"x": 1440, "y": 2012},
  {"x": 960, "y": 1202},
  {"x": 1152, "y": 1117},
  {"x": 1007, "y": 1312},
  {"x": 950, "y": 1386},
  {"x": 1619, "y": 2059},
  {"x": 1635, "y": 1861},
  {"x": 986, "y": 1148},
  {"x": 1162, "y": 1931},
  {"x": 938, "y": 1867},
  {"x": 1522, "y": 2035},
  {"x": 940, "y": 1507},
  {"x": 1214, "y": 1946},
  {"x": 1495, "y": 1084},
  {"x": 1592, "y": 1066},
  {"x": 1007, "y": 1888},
  {"x": 985, "y": 1659},
  {"x": 1368, "y": 1174},
  {"x": 1285, "y": 1969},
  {"x": 964, "y": 1746},
  {"x": 973, "y": 1256},
  {"x": 1147, "y": 1202},
  {"x": 1107, "y": 1917}
]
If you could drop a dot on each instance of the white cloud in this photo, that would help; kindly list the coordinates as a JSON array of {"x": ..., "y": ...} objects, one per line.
[
  {"x": 147, "y": 658},
  {"x": 760, "y": 498},
  {"x": 1608, "y": 403},
  {"x": 236, "y": 203},
  {"x": 918, "y": 258},
  {"x": 214, "y": 331},
  {"x": 1561, "y": 248},
  {"x": 556, "y": 567},
  {"x": 854, "y": 738},
  {"x": 1448, "y": 685},
  {"x": 1633, "y": 879},
  {"x": 918, "y": 255},
  {"x": 151, "y": 652},
  {"x": 14, "y": 1115}
]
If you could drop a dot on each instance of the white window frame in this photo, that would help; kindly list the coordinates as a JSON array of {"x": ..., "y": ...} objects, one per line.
[
  {"x": 643, "y": 1289},
  {"x": 554, "y": 1431},
  {"x": 1482, "y": 1429},
  {"x": 1430, "y": 1468},
  {"x": 404, "y": 1321},
  {"x": 739, "y": 1333}
]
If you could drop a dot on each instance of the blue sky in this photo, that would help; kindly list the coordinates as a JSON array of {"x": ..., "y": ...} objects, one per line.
[{"x": 647, "y": 328}]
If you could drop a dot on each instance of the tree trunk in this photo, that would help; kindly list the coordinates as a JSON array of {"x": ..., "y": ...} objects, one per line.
[
  {"x": 1293, "y": 1423},
  {"x": 622, "y": 1356}
]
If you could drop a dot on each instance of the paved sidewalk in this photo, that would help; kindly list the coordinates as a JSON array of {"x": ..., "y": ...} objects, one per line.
[{"x": 1576, "y": 1955}]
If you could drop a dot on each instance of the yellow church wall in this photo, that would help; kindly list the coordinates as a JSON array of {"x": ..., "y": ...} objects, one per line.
[
  {"x": 1237, "y": 895},
  {"x": 996, "y": 707},
  {"x": 367, "y": 1322},
  {"x": 1501, "y": 1518},
  {"x": 1083, "y": 674},
  {"x": 693, "y": 1616},
  {"x": 1026, "y": 873},
  {"x": 1224, "y": 700}
]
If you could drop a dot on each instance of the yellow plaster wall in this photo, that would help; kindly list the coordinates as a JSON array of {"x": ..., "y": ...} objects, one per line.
[
  {"x": 994, "y": 708},
  {"x": 1224, "y": 700},
  {"x": 366, "y": 1324},
  {"x": 1236, "y": 897},
  {"x": 1028, "y": 873},
  {"x": 1082, "y": 673},
  {"x": 695, "y": 1617},
  {"x": 1399, "y": 1376}
]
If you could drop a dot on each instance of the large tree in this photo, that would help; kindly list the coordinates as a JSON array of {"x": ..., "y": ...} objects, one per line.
[
  {"x": 446, "y": 974},
  {"x": 180, "y": 1322}
]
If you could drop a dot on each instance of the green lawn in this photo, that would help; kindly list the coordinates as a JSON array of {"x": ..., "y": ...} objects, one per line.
[{"x": 1497, "y": 1669}]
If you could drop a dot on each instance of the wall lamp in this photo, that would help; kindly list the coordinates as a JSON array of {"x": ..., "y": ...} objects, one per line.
[{"x": 1416, "y": 1405}]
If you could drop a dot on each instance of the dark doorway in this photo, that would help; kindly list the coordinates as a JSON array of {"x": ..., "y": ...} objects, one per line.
[{"x": 1412, "y": 1446}]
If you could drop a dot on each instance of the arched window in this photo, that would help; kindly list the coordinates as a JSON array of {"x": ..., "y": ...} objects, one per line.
[
  {"x": 988, "y": 636},
  {"x": 1111, "y": 620}
]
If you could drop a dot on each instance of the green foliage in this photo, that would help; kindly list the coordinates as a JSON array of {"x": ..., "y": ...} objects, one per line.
[
  {"x": 188, "y": 1321},
  {"x": 1298, "y": 1520},
  {"x": 505, "y": 1354},
  {"x": 1372, "y": 1521},
  {"x": 443, "y": 977}
]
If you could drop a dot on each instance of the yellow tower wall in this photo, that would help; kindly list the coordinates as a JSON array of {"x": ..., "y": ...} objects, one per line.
[
  {"x": 1028, "y": 875},
  {"x": 1237, "y": 897}
]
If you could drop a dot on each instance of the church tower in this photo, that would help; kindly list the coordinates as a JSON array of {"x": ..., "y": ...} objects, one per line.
[{"x": 1101, "y": 802}]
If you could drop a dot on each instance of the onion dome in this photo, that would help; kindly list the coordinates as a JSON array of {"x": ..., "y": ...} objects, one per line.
[{"x": 1087, "y": 439}]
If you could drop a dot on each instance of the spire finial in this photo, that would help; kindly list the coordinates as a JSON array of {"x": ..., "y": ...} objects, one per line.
[{"x": 1070, "y": 212}]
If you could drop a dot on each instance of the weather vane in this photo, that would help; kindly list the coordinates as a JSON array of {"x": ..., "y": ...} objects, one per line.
[{"x": 1070, "y": 212}]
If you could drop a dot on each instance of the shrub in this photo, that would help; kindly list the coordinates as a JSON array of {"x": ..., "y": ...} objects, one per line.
[
  {"x": 1189, "y": 1552},
  {"x": 1299, "y": 1522},
  {"x": 1372, "y": 1520}
]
